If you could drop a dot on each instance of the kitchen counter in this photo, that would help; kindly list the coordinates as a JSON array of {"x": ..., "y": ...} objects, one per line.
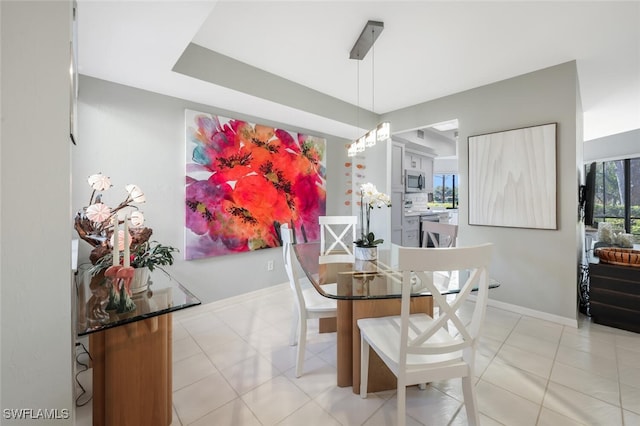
[{"x": 410, "y": 213}]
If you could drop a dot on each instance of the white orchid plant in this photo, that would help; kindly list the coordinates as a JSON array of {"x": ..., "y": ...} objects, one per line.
[
  {"x": 370, "y": 197},
  {"x": 95, "y": 225}
]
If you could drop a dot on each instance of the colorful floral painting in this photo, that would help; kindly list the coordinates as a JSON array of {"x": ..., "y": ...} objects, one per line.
[{"x": 244, "y": 180}]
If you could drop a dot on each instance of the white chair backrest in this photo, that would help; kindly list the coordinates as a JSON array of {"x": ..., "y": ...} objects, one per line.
[
  {"x": 286, "y": 234},
  {"x": 427, "y": 265},
  {"x": 337, "y": 235},
  {"x": 440, "y": 234}
]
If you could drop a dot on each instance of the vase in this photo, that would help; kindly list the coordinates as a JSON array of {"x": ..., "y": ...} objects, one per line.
[
  {"x": 140, "y": 280},
  {"x": 366, "y": 253},
  {"x": 365, "y": 265}
]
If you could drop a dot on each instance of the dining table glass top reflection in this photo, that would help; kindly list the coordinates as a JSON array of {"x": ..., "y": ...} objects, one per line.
[{"x": 367, "y": 279}]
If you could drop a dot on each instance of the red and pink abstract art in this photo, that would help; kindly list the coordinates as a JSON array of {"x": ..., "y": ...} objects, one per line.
[{"x": 244, "y": 180}]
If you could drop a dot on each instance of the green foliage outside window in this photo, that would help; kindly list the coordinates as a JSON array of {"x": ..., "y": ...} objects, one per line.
[{"x": 611, "y": 195}]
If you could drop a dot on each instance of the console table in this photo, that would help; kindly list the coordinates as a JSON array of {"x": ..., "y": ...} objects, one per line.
[
  {"x": 131, "y": 352},
  {"x": 614, "y": 295}
]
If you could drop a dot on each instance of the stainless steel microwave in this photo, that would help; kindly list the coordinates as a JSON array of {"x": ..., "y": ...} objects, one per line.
[{"x": 414, "y": 181}]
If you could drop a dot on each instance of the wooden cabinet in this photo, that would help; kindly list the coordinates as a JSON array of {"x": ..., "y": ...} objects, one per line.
[{"x": 614, "y": 295}]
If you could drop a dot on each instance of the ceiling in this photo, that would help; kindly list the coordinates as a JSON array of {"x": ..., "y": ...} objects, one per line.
[{"x": 428, "y": 49}]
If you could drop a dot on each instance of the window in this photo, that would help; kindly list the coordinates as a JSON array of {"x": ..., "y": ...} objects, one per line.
[
  {"x": 445, "y": 190},
  {"x": 617, "y": 194}
]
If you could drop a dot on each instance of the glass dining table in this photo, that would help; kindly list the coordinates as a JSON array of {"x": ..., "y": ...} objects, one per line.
[{"x": 366, "y": 289}]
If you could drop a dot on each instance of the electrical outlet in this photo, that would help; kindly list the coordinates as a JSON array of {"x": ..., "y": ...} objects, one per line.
[{"x": 270, "y": 265}]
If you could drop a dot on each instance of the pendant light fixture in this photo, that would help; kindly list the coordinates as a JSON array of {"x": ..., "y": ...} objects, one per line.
[{"x": 382, "y": 131}]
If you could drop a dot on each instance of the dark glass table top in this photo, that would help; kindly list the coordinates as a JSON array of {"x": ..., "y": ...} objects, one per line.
[
  {"x": 164, "y": 295},
  {"x": 366, "y": 279}
]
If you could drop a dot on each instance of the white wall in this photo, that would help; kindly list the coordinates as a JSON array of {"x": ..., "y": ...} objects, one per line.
[
  {"x": 135, "y": 136},
  {"x": 537, "y": 268},
  {"x": 35, "y": 274},
  {"x": 614, "y": 147}
]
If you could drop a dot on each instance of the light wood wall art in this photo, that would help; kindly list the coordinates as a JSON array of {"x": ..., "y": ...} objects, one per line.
[{"x": 512, "y": 178}]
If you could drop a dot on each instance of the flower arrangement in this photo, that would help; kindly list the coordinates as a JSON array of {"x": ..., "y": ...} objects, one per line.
[
  {"x": 370, "y": 197},
  {"x": 97, "y": 222}
]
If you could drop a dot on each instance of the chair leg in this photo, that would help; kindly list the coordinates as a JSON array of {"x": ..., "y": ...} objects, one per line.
[
  {"x": 470, "y": 402},
  {"x": 364, "y": 367},
  {"x": 293, "y": 338},
  {"x": 302, "y": 344},
  {"x": 401, "y": 395}
]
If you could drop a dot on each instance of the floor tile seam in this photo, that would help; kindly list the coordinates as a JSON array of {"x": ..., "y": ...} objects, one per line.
[
  {"x": 615, "y": 348},
  {"x": 586, "y": 394},
  {"x": 548, "y": 381},
  {"x": 517, "y": 333},
  {"x": 560, "y": 414},
  {"x": 617, "y": 379},
  {"x": 311, "y": 401},
  {"x": 223, "y": 405},
  {"x": 512, "y": 393},
  {"x": 204, "y": 349},
  {"x": 202, "y": 352},
  {"x": 257, "y": 354},
  {"x": 240, "y": 395},
  {"x": 255, "y": 415},
  {"x": 539, "y": 404},
  {"x": 197, "y": 381},
  {"x": 502, "y": 343}
]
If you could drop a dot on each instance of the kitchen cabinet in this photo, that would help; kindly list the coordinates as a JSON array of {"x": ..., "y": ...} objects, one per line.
[
  {"x": 414, "y": 160},
  {"x": 424, "y": 163},
  {"x": 397, "y": 167},
  {"x": 411, "y": 231},
  {"x": 396, "y": 216}
]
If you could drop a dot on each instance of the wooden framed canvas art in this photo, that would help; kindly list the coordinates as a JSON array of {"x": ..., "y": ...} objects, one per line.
[
  {"x": 512, "y": 178},
  {"x": 243, "y": 180}
]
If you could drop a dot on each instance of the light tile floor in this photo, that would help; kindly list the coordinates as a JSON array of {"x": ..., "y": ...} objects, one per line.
[{"x": 232, "y": 365}]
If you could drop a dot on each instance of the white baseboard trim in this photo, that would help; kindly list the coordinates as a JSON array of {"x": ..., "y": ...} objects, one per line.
[{"x": 530, "y": 312}]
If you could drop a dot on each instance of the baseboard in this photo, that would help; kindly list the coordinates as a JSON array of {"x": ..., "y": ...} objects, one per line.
[{"x": 531, "y": 312}]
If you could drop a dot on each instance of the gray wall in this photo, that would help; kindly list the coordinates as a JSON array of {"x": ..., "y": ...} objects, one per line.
[
  {"x": 35, "y": 268},
  {"x": 135, "y": 136},
  {"x": 537, "y": 268}
]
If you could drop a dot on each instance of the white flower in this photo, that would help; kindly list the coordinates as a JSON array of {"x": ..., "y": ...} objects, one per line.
[
  {"x": 99, "y": 182},
  {"x": 381, "y": 200},
  {"x": 372, "y": 197},
  {"x": 137, "y": 219},
  {"x": 98, "y": 212},
  {"x": 368, "y": 191},
  {"x": 136, "y": 194}
]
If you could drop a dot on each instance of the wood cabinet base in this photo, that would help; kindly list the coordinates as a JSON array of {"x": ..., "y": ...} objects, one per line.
[{"x": 132, "y": 373}]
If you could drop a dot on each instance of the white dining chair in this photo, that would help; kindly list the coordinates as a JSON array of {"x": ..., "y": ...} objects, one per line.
[
  {"x": 420, "y": 349},
  {"x": 337, "y": 235},
  {"x": 309, "y": 304},
  {"x": 440, "y": 234}
]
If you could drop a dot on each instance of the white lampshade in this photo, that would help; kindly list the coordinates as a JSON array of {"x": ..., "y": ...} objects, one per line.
[
  {"x": 370, "y": 138},
  {"x": 383, "y": 131}
]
